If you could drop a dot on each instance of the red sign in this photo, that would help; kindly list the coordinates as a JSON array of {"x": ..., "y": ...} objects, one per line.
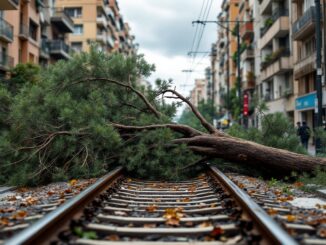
[{"x": 245, "y": 105}]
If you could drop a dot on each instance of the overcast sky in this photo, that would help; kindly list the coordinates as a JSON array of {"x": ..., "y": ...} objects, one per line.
[{"x": 165, "y": 34}]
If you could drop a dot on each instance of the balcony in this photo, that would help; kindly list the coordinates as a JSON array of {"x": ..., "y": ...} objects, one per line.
[
  {"x": 305, "y": 66},
  {"x": 6, "y": 62},
  {"x": 6, "y": 31},
  {"x": 23, "y": 32},
  {"x": 44, "y": 50},
  {"x": 247, "y": 30},
  {"x": 248, "y": 85},
  {"x": 62, "y": 21},
  {"x": 280, "y": 65},
  {"x": 101, "y": 37},
  {"x": 222, "y": 42},
  {"x": 59, "y": 49},
  {"x": 275, "y": 27},
  {"x": 110, "y": 41},
  {"x": 304, "y": 26},
  {"x": 9, "y": 4},
  {"x": 101, "y": 21},
  {"x": 249, "y": 53},
  {"x": 265, "y": 7}
]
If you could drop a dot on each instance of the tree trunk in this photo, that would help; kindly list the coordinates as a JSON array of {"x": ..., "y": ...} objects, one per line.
[{"x": 252, "y": 154}]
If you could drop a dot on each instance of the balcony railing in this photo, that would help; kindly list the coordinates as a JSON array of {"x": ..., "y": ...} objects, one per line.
[
  {"x": 6, "y": 61},
  {"x": 270, "y": 59},
  {"x": 59, "y": 48},
  {"x": 246, "y": 30},
  {"x": 271, "y": 20},
  {"x": 6, "y": 31},
  {"x": 45, "y": 50},
  {"x": 249, "y": 53},
  {"x": 302, "y": 24},
  {"x": 23, "y": 31},
  {"x": 62, "y": 20}
]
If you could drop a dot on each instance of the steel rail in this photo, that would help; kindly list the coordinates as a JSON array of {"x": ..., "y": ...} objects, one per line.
[
  {"x": 267, "y": 225},
  {"x": 43, "y": 230}
]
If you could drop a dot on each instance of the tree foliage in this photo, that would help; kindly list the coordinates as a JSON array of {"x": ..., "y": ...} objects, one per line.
[{"x": 57, "y": 122}]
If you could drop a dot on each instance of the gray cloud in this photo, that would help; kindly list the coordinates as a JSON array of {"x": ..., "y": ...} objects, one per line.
[{"x": 165, "y": 26}]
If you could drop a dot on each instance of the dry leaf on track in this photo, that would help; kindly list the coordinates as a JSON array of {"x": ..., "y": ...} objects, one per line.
[{"x": 151, "y": 208}]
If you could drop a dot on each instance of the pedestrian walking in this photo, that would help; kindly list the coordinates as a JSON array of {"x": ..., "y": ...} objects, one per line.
[
  {"x": 298, "y": 128},
  {"x": 304, "y": 133}
]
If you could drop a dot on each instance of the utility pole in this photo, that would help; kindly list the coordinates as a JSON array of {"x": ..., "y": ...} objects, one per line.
[
  {"x": 239, "y": 70},
  {"x": 319, "y": 91}
]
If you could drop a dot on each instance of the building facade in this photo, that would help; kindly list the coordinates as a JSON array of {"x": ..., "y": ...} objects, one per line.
[
  {"x": 278, "y": 57},
  {"x": 303, "y": 26},
  {"x": 45, "y": 31},
  {"x": 98, "y": 21},
  {"x": 199, "y": 93}
]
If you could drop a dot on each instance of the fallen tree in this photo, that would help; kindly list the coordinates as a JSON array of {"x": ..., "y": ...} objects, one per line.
[
  {"x": 87, "y": 115},
  {"x": 216, "y": 144}
]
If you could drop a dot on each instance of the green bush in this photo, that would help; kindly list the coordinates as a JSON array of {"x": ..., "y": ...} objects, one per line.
[{"x": 276, "y": 131}]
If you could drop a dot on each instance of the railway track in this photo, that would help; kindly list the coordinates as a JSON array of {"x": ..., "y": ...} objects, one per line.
[{"x": 117, "y": 210}]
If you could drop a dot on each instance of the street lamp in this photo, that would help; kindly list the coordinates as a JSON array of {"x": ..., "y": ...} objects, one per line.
[{"x": 238, "y": 47}]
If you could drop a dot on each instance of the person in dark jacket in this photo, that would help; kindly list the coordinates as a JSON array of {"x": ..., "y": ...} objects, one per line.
[
  {"x": 304, "y": 133},
  {"x": 298, "y": 128}
]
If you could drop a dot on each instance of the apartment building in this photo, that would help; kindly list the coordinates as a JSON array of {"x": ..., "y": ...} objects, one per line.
[
  {"x": 275, "y": 79},
  {"x": 199, "y": 93},
  {"x": 45, "y": 31},
  {"x": 247, "y": 64},
  {"x": 303, "y": 28},
  {"x": 222, "y": 82},
  {"x": 226, "y": 49},
  {"x": 6, "y": 36},
  {"x": 97, "y": 21},
  {"x": 55, "y": 25}
]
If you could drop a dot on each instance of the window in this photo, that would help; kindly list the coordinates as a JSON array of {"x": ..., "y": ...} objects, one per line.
[
  {"x": 77, "y": 46},
  {"x": 33, "y": 30},
  {"x": 74, "y": 12},
  {"x": 78, "y": 29}
]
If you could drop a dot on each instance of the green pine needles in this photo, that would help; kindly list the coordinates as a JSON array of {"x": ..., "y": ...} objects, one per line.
[{"x": 56, "y": 123}]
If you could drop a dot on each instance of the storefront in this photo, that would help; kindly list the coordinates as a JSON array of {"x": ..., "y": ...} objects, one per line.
[{"x": 305, "y": 109}]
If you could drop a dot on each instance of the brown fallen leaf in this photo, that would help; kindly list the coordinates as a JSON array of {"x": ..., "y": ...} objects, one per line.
[
  {"x": 50, "y": 193},
  {"x": 189, "y": 224},
  {"x": 192, "y": 189},
  {"x": 112, "y": 237},
  {"x": 217, "y": 231},
  {"x": 73, "y": 182},
  {"x": 298, "y": 184},
  {"x": 205, "y": 224},
  {"x": 7, "y": 210},
  {"x": 186, "y": 199},
  {"x": 290, "y": 218},
  {"x": 322, "y": 232},
  {"x": 4, "y": 222},
  {"x": 68, "y": 191},
  {"x": 173, "y": 221},
  {"x": 151, "y": 208},
  {"x": 21, "y": 214},
  {"x": 272, "y": 211},
  {"x": 149, "y": 225}
]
